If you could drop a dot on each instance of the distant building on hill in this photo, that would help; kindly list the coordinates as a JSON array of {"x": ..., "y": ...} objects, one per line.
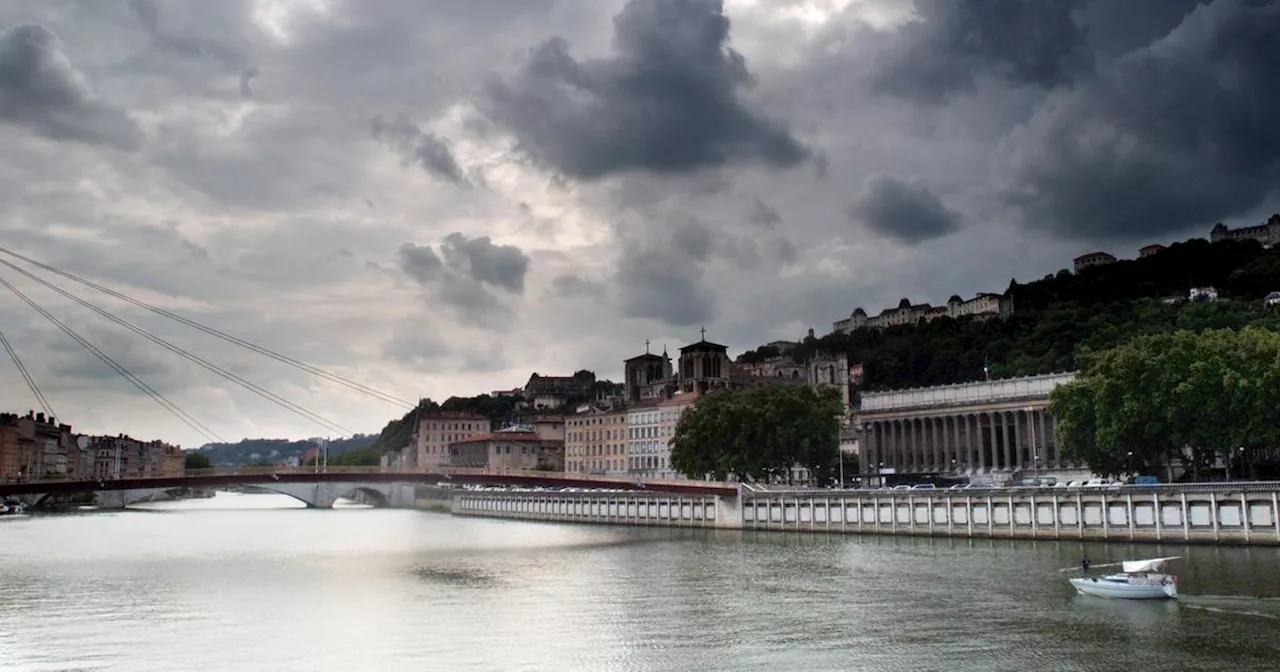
[
  {"x": 982, "y": 305},
  {"x": 1092, "y": 259},
  {"x": 1267, "y": 233},
  {"x": 554, "y": 391},
  {"x": 1150, "y": 250},
  {"x": 1203, "y": 294}
]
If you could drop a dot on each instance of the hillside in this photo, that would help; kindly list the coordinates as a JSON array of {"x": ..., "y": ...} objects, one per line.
[
  {"x": 1061, "y": 313},
  {"x": 249, "y": 451}
]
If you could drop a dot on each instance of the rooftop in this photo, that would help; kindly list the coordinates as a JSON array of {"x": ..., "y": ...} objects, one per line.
[
  {"x": 500, "y": 436},
  {"x": 704, "y": 344}
]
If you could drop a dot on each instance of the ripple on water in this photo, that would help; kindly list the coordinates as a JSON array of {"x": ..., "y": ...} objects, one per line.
[{"x": 387, "y": 590}]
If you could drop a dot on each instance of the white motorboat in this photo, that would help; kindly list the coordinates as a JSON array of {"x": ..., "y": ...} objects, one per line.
[{"x": 1140, "y": 580}]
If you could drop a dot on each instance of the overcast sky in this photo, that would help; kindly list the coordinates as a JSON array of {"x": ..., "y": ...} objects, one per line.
[{"x": 439, "y": 198}]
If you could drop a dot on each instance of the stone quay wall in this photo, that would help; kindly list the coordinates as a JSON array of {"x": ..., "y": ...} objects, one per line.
[
  {"x": 613, "y": 508},
  {"x": 1223, "y": 513},
  {"x": 1215, "y": 514}
]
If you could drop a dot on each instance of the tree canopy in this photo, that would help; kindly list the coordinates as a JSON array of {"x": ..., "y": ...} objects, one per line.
[
  {"x": 1184, "y": 397},
  {"x": 759, "y": 433},
  {"x": 194, "y": 460},
  {"x": 1098, "y": 308},
  {"x": 360, "y": 457}
]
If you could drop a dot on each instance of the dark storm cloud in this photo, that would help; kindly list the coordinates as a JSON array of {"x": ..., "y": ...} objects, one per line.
[
  {"x": 1116, "y": 28},
  {"x": 575, "y": 286},
  {"x": 905, "y": 210},
  {"x": 666, "y": 102},
  {"x": 42, "y": 90},
  {"x": 499, "y": 265},
  {"x": 246, "y": 81},
  {"x": 952, "y": 42},
  {"x": 419, "y": 262},
  {"x": 459, "y": 273},
  {"x": 763, "y": 215},
  {"x": 663, "y": 276},
  {"x": 426, "y": 150},
  {"x": 667, "y": 288},
  {"x": 1176, "y": 135},
  {"x": 187, "y": 46},
  {"x": 474, "y": 305}
]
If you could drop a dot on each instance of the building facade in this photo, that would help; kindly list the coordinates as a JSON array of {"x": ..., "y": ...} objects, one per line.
[
  {"x": 1092, "y": 259},
  {"x": 704, "y": 366},
  {"x": 596, "y": 442},
  {"x": 555, "y": 391},
  {"x": 648, "y": 376},
  {"x": 429, "y": 449},
  {"x": 33, "y": 447},
  {"x": 643, "y": 445},
  {"x": 1267, "y": 233},
  {"x": 515, "y": 451},
  {"x": 983, "y": 305},
  {"x": 1150, "y": 250},
  {"x": 991, "y": 431}
]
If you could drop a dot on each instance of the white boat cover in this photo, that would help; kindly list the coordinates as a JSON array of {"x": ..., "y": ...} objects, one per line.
[{"x": 1152, "y": 565}]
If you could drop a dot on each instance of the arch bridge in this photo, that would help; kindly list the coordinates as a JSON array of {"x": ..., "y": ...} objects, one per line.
[{"x": 320, "y": 489}]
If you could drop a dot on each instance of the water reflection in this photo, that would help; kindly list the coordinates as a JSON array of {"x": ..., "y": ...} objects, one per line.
[{"x": 405, "y": 590}]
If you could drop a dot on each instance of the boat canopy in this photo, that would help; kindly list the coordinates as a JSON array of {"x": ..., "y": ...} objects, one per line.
[{"x": 1152, "y": 565}]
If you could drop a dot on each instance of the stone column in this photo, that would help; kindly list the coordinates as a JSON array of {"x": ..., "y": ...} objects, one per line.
[
  {"x": 948, "y": 447},
  {"x": 1018, "y": 442},
  {"x": 917, "y": 444},
  {"x": 940, "y": 434},
  {"x": 1008, "y": 444},
  {"x": 970, "y": 443},
  {"x": 870, "y": 446},
  {"x": 1051, "y": 455},
  {"x": 895, "y": 440},
  {"x": 908, "y": 437},
  {"x": 955, "y": 440}
]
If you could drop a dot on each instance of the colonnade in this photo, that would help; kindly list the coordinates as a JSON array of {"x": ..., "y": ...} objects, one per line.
[{"x": 971, "y": 442}]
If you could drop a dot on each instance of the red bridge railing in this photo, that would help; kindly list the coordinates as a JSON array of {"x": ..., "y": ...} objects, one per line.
[{"x": 508, "y": 475}]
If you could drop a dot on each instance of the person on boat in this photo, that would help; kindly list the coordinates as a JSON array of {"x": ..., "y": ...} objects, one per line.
[{"x": 1085, "y": 564}]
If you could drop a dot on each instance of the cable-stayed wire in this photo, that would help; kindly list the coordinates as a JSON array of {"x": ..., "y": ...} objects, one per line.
[
  {"x": 26, "y": 375},
  {"x": 284, "y": 359},
  {"x": 106, "y": 359},
  {"x": 266, "y": 394}
]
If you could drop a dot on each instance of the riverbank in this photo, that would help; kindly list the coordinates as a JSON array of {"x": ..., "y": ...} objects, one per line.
[{"x": 1227, "y": 513}]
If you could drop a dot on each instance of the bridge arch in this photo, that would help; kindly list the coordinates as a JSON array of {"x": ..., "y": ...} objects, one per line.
[{"x": 322, "y": 495}]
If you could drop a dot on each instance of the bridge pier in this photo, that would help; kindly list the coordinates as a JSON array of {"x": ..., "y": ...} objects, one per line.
[{"x": 111, "y": 499}]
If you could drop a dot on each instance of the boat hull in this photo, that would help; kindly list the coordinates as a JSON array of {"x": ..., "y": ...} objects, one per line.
[{"x": 1125, "y": 591}]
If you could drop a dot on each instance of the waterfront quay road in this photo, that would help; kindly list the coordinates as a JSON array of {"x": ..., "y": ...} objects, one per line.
[
  {"x": 208, "y": 478},
  {"x": 1224, "y": 513}
]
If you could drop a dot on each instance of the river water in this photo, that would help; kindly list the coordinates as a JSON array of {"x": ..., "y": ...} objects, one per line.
[{"x": 246, "y": 582}]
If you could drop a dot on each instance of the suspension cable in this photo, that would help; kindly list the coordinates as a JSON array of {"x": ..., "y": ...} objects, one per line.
[
  {"x": 106, "y": 359},
  {"x": 332, "y": 377},
  {"x": 266, "y": 394},
  {"x": 26, "y": 375}
]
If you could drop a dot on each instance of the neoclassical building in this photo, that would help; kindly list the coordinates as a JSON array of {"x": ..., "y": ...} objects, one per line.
[{"x": 989, "y": 431}]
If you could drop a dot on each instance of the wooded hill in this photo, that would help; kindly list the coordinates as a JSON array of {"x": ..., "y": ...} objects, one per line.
[{"x": 1057, "y": 316}]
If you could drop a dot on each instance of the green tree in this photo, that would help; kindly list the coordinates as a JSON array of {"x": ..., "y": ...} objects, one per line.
[
  {"x": 195, "y": 460},
  {"x": 1139, "y": 407},
  {"x": 759, "y": 433},
  {"x": 361, "y": 457}
]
